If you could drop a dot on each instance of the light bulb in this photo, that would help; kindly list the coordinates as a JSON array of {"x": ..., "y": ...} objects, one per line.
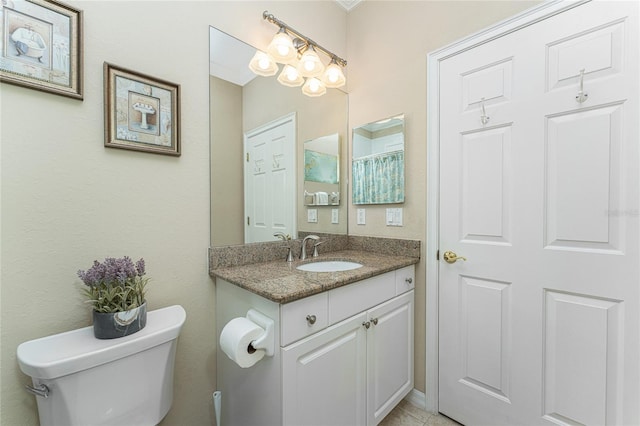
[
  {"x": 309, "y": 65},
  {"x": 263, "y": 63},
  {"x": 292, "y": 73},
  {"x": 290, "y": 77},
  {"x": 314, "y": 87},
  {"x": 333, "y": 76},
  {"x": 281, "y": 48}
]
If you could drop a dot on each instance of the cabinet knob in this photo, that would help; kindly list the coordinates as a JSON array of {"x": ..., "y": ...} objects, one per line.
[
  {"x": 408, "y": 280},
  {"x": 375, "y": 321},
  {"x": 311, "y": 319},
  {"x": 367, "y": 324}
]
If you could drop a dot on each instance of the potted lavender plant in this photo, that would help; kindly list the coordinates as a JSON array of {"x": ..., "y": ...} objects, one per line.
[{"x": 116, "y": 292}]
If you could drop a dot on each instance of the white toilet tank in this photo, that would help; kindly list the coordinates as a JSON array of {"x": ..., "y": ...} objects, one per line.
[{"x": 123, "y": 381}]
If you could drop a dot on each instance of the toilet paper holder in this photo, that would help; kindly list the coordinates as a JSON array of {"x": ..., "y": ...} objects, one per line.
[{"x": 266, "y": 341}]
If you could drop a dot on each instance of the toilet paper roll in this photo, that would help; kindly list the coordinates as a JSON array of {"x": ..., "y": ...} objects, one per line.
[{"x": 236, "y": 338}]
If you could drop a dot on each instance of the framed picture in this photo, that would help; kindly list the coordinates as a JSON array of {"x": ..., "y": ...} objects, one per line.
[
  {"x": 142, "y": 113},
  {"x": 41, "y": 46}
]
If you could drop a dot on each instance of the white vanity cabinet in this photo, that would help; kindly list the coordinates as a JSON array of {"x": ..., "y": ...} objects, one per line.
[
  {"x": 324, "y": 377},
  {"x": 345, "y": 355},
  {"x": 357, "y": 369},
  {"x": 354, "y": 372}
]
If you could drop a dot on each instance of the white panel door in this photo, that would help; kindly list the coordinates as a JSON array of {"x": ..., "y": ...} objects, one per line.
[
  {"x": 270, "y": 180},
  {"x": 539, "y": 189}
]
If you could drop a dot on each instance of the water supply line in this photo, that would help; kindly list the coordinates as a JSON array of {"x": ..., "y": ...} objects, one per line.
[{"x": 217, "y": 408}]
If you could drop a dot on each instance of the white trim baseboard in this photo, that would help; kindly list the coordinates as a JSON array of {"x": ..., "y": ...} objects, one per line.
[{"x": 417, "y": 398}]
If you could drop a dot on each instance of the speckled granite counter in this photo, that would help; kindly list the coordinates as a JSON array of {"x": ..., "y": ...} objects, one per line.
[{"x": 281, "y": 282}]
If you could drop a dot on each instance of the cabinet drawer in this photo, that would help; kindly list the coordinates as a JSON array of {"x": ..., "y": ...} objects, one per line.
[
  {"x": 357, "y": 297},
  {"x": 405, "y": 279},
  {"x": 294, "y": 324}
]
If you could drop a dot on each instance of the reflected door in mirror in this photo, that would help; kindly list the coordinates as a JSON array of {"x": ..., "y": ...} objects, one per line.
[{"x": 270, "y": 180}]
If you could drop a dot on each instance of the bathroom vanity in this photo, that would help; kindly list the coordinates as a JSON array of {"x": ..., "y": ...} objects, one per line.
[{"x": 344, "y": 341}]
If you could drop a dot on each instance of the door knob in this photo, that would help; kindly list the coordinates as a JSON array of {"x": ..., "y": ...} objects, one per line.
[{"x": 451, "y": 257}]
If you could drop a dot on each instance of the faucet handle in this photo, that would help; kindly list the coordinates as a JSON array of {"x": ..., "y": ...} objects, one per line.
[
  {"x": 289, "y": 253},
  {"x": 315, "y": 248}
]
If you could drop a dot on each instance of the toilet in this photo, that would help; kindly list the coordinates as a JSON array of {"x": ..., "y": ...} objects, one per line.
[{"x": 81, "y": 380}]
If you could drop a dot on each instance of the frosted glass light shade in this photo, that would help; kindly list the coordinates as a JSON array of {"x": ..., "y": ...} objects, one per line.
[
  {"x": 310, "y": 64},
  {"x": 262, "y": 64},
  {"x": 290, "y": 77},
  {"x": 314, "y": 87},
  {"x": 333, "y": 76},
  {"x": 281, "y": 48}
]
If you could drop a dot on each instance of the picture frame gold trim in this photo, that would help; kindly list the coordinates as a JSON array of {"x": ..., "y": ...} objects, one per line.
[
  {"x": 41, "y": 46},
  {"x": 142, "y": 113}
]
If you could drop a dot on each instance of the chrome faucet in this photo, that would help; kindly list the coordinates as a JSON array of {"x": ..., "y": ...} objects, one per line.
[
  {"x": 285, "y": 238},
  {"x": 303, "y": 252},
  {"x": 282, "y": 236}
]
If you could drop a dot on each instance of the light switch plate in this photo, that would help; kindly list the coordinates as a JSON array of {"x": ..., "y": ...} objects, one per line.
[
  {"x": 334, "y": 215},
  {"x": 361, "y": 217},
  {"x": 312, "y": 215},
  {"x": 394, "y": 217}
]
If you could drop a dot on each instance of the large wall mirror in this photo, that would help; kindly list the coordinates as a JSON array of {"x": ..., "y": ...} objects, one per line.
[
  {"x": 378, "y": 162},
  {"x": 244, "y": 108}
]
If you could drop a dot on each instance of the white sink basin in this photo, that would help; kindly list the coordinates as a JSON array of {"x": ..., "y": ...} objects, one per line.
[{"x": 329, "y": 266}]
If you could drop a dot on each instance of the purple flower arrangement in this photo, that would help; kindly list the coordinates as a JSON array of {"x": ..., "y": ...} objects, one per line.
[{"x": 115, "y": 285}]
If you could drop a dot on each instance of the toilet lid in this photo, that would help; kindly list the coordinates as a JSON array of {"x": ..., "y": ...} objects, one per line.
[{"x": 66, "y": 353}]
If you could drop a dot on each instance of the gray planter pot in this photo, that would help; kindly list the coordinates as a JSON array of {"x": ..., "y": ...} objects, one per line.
[{"x": 119, "y": 324}]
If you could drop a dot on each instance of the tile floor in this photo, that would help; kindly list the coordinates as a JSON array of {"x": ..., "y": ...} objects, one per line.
[{"x": 406, "y": 414}]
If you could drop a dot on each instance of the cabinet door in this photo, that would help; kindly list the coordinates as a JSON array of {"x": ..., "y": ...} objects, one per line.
[
  {"x": 389, "y": 356},
  {"x": 324, "y": 376}
]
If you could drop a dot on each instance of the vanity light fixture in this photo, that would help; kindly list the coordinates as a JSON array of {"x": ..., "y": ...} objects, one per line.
[
  {"x": 299, "y": 55},
  {"x": 310, "y": 64},
  {"x": 281, "y": 47},
  {"x": 263, "y": 64},
  {"x": 333, "y": 76},
  {"x": 290, "y": 76},
  {"x": 314, "y": 87}
]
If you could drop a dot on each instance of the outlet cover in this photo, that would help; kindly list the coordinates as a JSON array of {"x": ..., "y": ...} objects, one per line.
[
  {"x": 394, "y": 217},
  {"x": 334, "y": 215},
  {"x": 361, "y": 220},
  {"x": 312, "y": 215}
]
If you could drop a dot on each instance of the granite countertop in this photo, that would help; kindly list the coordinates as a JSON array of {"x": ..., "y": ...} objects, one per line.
[{"x": 281, "y": 282}]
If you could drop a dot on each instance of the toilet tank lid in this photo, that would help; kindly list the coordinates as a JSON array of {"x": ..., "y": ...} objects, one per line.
[{"x": 66, "y": 353}]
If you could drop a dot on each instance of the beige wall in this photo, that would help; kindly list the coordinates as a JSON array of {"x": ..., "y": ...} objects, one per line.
[
  {"x": 227, "y": 188},
  {"x": 67, "y": 200},
  {"x": 388, "y": 43}
]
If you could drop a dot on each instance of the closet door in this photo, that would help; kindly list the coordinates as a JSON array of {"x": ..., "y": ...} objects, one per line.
[{"x": 539, "y": 192}]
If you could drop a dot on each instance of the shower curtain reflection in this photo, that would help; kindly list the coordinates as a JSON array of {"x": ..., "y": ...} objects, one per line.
[{"x": 379, "y": 178}]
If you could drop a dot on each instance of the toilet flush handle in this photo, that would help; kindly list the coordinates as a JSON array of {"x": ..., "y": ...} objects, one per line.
[{"x": 41, "y": 390}]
